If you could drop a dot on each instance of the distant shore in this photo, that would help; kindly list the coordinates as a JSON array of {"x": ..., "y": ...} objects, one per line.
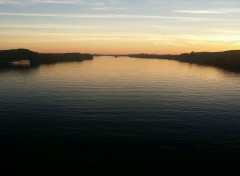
[
  {"x": 18, "y": 58},
  {"x": 228, "y": 60}
]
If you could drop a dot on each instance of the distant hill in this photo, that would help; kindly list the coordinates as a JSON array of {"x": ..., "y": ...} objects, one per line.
[
  {"x": 229, "y": 60},
  {"x": 40, "y": 58}
]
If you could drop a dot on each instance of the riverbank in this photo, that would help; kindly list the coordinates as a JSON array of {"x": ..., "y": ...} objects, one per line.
[
  {"x": 8, "y": 58},
  {"x": 228, "y": 60}
]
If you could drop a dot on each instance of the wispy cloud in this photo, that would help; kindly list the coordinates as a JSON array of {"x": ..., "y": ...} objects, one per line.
[
  {"x": 104, "y": 5},
  {"x": 89, "y": 2},
  {"x": 17, "y": 2},
  {"x": 216, "y": 11},
  {"x": 10, "y": 2},
  {"x": 108, "y": 16},
  {"x": 108, "y": 8},
  {"x": 57, "y": 1}
]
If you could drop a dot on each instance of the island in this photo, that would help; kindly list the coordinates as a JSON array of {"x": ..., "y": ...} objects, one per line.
[
  {"x": 228, "y": 60},
  {"x": 27, "y": 58}
]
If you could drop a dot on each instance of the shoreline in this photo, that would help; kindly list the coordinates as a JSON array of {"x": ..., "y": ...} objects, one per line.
[
  {"x": 227, "y": 60},
  {"x": 11, "y": 58}
]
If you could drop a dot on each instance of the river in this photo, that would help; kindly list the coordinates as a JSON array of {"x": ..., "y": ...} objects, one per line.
[{"x": 120, "y": 111}]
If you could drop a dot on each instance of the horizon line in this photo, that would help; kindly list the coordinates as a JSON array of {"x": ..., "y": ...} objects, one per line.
[{"x": 118, "y": 54}]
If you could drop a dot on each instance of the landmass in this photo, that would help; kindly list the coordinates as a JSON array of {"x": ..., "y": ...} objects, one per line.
[
  {"x": 228, "y": 60},
  {"x": 25, "y": 57}
]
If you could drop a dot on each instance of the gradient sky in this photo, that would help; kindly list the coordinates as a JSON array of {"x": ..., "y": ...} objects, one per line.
[{"x": 120, "y": 26}]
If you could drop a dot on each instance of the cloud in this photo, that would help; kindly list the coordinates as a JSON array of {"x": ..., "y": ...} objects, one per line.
[
  {"x": 56, "y": 1},
  {"x": 10, "y": 2},
  {"x": 104, "y": 5},
  {"x": 16, "y": 2},
  {"x": 217, "y": 11},
  {"x": 108, "y": 8},
  {"x": 107, "y": 16},
  {"x": 86, "y": 2}
]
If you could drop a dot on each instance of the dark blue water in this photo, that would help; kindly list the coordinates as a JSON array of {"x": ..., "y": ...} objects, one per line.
[{"x": 120, "y": 112}]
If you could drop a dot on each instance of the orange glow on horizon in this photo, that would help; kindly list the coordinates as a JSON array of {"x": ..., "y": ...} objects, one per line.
[
  {"x": 120, "y": 48},
  {"x": 120, "y": 27}
]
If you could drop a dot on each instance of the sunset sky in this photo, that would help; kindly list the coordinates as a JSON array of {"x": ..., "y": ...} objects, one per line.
[{"x": 120, "y": 26}]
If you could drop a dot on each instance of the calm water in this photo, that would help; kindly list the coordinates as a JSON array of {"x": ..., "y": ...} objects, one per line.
[{"x": 125, "y": 111}]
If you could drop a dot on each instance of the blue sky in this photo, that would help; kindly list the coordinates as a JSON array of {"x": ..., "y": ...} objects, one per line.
[{"x": 120, "y": 26}]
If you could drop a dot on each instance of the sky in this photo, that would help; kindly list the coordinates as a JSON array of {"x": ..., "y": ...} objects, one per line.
[{"x": 120, "y": 26}]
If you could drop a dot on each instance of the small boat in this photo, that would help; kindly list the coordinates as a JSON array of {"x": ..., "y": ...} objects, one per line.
[
  {"x": 15, "y": 63},
  {"x": 20, "y": 63}
]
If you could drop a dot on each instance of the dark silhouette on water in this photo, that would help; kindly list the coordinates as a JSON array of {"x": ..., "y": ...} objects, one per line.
[
  {"x": 8, "y": 56},
  {"x": 228, "y": 60}
]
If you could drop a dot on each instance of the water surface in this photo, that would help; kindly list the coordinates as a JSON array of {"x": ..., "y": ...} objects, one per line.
[{"x": 120, "y": 111}]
